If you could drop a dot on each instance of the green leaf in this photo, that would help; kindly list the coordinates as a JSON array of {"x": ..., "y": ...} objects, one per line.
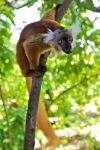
[{"x": 89, "y": 4}]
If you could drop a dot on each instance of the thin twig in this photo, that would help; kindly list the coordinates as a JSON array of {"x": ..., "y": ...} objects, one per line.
[
  {"x": 74, "y": 86},
  {"x": 13, "y": 3},
  {"x": 65, "y": 3},
  {"x": 69, "y": 89}
]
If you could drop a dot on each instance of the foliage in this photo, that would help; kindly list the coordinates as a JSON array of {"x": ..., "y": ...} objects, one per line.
[{"x": 71, "y": 80}]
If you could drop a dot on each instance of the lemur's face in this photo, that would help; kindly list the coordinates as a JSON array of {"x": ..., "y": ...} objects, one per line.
[
  {"x": 60, "y": 39},
  {"x": 64, "y": 41}
]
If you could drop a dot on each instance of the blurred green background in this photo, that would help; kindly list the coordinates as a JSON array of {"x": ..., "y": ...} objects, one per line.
[{"x": 71, "y": 86}]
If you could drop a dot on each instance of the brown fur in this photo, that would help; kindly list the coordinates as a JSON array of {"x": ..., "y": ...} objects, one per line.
[{"x": 30, "y": 45}]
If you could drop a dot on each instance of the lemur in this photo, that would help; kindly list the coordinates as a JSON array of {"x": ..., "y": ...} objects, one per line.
[{"x": 37, "y": 38}]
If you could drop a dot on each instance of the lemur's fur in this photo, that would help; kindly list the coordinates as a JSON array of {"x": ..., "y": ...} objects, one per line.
[{"x": 37, "y": 38}]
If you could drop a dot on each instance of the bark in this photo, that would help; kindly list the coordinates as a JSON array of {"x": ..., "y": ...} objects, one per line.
[{"x": 29, "y": 140}]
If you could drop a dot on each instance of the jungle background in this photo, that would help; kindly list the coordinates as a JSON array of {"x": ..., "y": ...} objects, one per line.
[{"x": 71, "y": 86}]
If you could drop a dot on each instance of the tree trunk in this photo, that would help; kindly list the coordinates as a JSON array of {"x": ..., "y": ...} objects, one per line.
[{"x": 29, "y": 140}]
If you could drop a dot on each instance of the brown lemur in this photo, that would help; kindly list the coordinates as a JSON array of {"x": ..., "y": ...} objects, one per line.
[{"x": 37, "y": 38}]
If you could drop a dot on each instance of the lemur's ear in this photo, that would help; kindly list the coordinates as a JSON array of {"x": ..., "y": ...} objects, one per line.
[
  {"x": 48, "y": 37},
  {"x": 49, "y": 32}
]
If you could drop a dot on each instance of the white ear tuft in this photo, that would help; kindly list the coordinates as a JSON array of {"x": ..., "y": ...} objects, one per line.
[
  {"x": 50, "y": 31},
  {"x": 48, "y": 37}
]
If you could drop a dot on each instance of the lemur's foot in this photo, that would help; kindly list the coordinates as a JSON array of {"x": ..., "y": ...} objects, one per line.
[
  {"x": 38, "y": 72},
  {"x": 34, "y": 73}
]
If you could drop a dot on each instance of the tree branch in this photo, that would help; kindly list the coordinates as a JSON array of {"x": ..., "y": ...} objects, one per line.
[
  {"x": 14, "y": 2},
  {"x": 29, "y": 140},
  {"x": 71, "y": 88},
  {"x": 75, "y": 85},
  {"x": 97, "y": 9},
  {"x": 62, "y": 9},
  {"x": 66, "y": 4}
]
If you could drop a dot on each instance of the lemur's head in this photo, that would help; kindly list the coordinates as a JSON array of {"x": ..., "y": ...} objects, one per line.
[
  {"x": 63, "y": 40},
  {"x": 60, "y": 39}
]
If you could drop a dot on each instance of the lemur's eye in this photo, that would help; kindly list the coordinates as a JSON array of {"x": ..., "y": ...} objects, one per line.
[
  {"x": 60, "y": 41},
  {"x": 70, "y": 39}
]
